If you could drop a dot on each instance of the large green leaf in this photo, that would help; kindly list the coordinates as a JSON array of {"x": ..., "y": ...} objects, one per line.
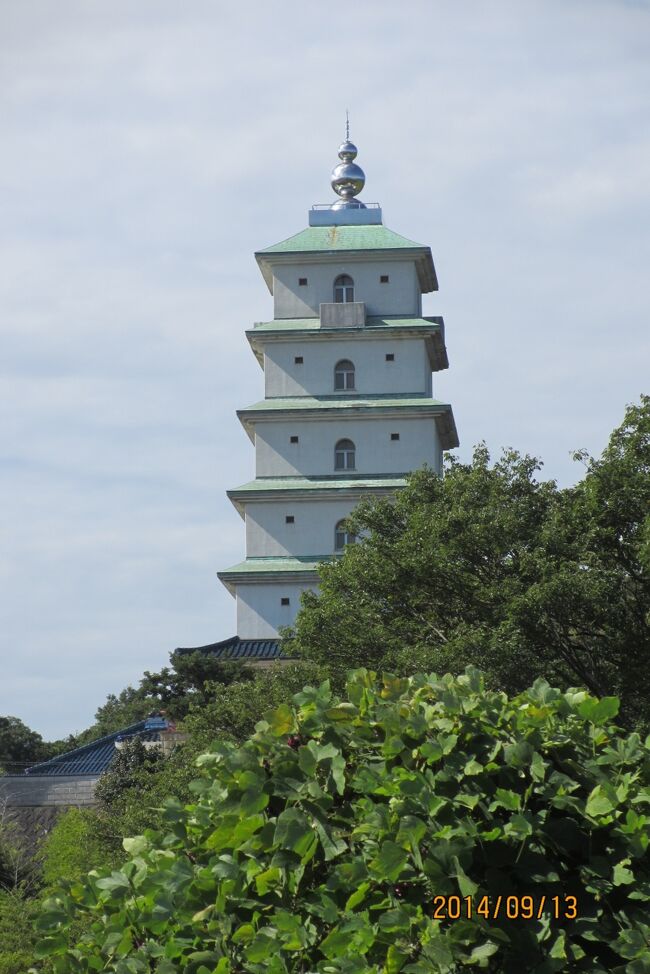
[
  {"x": 602, "y": 800},
  {"x": 599, "y": 711},
  {"x": 390, "y": 862}
]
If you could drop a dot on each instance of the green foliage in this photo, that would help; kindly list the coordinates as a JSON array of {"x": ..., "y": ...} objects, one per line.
[
  {"x": 189, "y": 680},
  {"x": 488, "y": 565},
  {"x": 130, "y": 768},
  {"x": 232, "y": 711},
  {"x": 321, "y": 843},
  {"x": 18, "y": 864},
  {"x": 19, "y": 745},
  {"x": 175, "y": 689},
  {"x": 17, "y": 935},
  {"x": 73, "y": 843},
  {"x": 133, "y": 802},
  {"x": 135, "y": 788}
]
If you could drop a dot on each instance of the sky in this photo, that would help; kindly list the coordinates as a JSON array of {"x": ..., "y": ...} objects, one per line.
[{"x": 149, "y": 149}]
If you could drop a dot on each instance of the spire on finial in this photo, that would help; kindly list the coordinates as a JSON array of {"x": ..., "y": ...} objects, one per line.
[{"x": 348, "y": 179}]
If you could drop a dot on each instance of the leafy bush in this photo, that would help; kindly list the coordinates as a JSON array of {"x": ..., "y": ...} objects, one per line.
[
  {"x": 73, "y": 845},
  {"x": 233, "y": 710},
  {"x": 330, "y": 839},
  {"x": 176, "y": 688},
  {"x": 17, "y": 936},
  {"x": 133, "y": 791},
  {"x": 19, "y": 867},
  {"x": 134, "y": 802},
  {"x": 133, "y": 763}
]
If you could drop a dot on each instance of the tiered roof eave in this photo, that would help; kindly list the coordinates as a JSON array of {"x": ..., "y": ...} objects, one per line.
[
  {"x": 329, "y": 242},
  {"x": 432, "y": 329},
  {"x": 283, "y": 568},
  {"x": 379, "y": 406},
  {"x": 351, "y": 487}
]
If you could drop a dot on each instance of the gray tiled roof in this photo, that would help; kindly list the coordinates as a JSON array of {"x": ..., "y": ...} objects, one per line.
[
  {"x": 235, "y": 648},
  {"x": 95, "y": 757}
]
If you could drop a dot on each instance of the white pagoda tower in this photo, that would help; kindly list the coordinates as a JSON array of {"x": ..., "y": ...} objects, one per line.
[{"x": 347, "y": 409}]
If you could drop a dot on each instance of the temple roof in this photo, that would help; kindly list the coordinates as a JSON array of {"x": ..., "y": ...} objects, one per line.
[
  {"x": 95, "y": 757},
  {"x": 235, "y": 648}
]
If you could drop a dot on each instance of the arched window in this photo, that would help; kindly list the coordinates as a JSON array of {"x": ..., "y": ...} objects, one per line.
[
  {"x": 342, "y": 536},
  {"x": 344, "y": 374},
  {"x": 343, "y": 289},
  {"x": 344, "y": 452}
]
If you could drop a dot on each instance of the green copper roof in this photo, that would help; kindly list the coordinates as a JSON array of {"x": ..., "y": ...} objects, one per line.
[
  {"x": 290, "y": 563},
  {"x": 388, "y": 401},
  {"x": 254, "y": 569},
  {"x": 313, "y": 324},
  {"x": 264, "y": 486},
  {"x": 323, "y": 483},
  {"x": 311, "y": 405},
  {"x": 349, "y": 240},
  {"x": 315, "y": 239},
  {"x": 430, "y": 330}
]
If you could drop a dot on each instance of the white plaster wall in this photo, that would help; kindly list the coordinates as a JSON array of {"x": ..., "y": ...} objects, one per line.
[
  {"x": 376, "y": 453},
  {"x": 401, "y": 296},
  {"x": 312, "y": 533},
  {"x": 410, "y": 372},
  {"x": 259, "y": 611}
]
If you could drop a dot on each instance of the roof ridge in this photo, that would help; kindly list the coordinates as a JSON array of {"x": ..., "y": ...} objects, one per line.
[{"x": 65, "y": 755}]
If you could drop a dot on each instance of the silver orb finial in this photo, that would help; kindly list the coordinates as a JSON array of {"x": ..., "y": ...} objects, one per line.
[{"x": 348, "y": 179}]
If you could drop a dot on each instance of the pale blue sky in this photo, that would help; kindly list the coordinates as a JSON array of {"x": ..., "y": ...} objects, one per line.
[{"x": 149, "y": 148}]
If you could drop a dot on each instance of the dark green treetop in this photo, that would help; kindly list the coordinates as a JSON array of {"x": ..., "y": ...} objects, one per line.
[{"x": 491, "y": 566}]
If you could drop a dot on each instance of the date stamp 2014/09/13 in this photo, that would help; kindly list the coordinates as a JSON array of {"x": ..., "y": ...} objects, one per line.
[{"x": 505, "y": 907}]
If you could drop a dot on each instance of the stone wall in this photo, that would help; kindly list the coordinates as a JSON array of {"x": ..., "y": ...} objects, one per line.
[{"x": 32, "y": 790}]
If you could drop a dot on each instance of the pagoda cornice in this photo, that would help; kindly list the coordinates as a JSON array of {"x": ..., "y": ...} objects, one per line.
[
  {"x": 330, "y": 243},
  {"x": 297, "y": 569},
  {"x": 307, "y": 488},
  {"x": 317, "y": 408},
  {"x": 310, "y": 329}
]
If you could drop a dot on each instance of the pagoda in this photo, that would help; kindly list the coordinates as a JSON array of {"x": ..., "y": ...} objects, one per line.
[{"x": 347, "y": 410}]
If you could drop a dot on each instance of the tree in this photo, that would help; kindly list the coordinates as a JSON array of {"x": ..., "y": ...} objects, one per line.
[
  {"x": 132, "y": 792},
  {"x": 175, "y": 689},
  {"x": 19, "y": 745},
  {"x": 233, "y": 710},
  {"x": 417, "y": 825},
  {"x": 492, "y": 566},
  {"x": 130, "y": 768}
]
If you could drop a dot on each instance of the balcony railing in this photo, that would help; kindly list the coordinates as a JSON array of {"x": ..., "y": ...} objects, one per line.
[{"x": 339, "y": 315}]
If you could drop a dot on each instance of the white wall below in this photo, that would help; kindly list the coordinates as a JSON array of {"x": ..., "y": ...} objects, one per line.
[
  {"x": 400, "y": 296},
  {"x": 410, "y": 372},
  {"x": 376, "y": 453},
  {"x": 260, "y": 613},
  {"x": 312, "y": 533}
]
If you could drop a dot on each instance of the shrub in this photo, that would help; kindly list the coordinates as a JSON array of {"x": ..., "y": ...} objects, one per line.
[
  {"x": 73, "y": 845},
  {"x": 16, "y": 933},
  {"x": 132, "y": 764},
  {"x": 344, "y": 835}
]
